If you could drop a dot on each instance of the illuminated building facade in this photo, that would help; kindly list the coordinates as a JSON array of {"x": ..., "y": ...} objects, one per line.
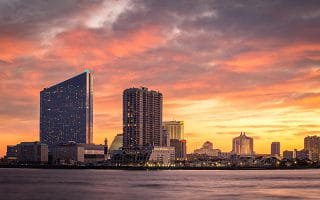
[
  {"x": 116, "y": 143},
  {"x": 162, "y": 155},
  {"x": 242, "y": 145},
  {"x": 312, "y": 143},
  {"x": 207, "y": 149},
  {"x": 66, "y": 111},
  {"x": 175, "y": 129},
  {"x": 142, "y": 118}
]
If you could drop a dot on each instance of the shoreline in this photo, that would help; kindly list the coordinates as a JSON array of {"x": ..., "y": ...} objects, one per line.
[{"x": 138, "y": 168}]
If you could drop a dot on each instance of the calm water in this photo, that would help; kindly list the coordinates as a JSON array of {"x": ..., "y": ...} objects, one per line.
[{"x": 115, "y": 184}]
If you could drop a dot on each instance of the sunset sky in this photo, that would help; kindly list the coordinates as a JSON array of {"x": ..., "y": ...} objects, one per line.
[{"x": 223, "y": 66}]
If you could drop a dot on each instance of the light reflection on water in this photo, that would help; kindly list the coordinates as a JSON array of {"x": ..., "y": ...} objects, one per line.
[{"x": 117, "y": 184}]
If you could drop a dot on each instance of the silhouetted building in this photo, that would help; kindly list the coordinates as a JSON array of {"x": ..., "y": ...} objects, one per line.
[
  {"x": 165, "y": 138},
  {"x": 69, "y": 153},
  {"x": 288, "y": 155},
  {"x": 275, "y": 149},
  {"x": 207, "y": 149},
  {"x": 180, "y": 148},
  {"x": 66, "y": 111},
  {"x": 142, "y": 118},
  {"x": 12, "y": 151},
  {"x": 175, "y": 129},
  {"x": 106, "y": 149},
  {"x": 312, "y": 143},
  {"x": 32, "y": 152},
  {"x": 134, "y": 157},
  {"x": 303, "y": 154},
  {"x": 242, "y": 145}
]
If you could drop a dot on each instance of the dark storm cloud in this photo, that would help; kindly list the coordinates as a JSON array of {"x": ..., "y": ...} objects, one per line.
[
  {"x": 29, "y": 18},
  {"x": 287, "y": 21}
]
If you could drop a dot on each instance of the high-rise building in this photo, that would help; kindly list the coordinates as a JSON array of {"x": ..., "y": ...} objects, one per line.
[
  {"x": 242, "y": 145},
  {"x": 180, "y": 147},
  {"x": 175, "y": 129},
  {"x": 165, "y": 138},
  {"x": 66, "y": 111},
  {"x": 142, "y": 118},
  {"x": 312, "y": 143},
  {"x": 275, "y": 149}
]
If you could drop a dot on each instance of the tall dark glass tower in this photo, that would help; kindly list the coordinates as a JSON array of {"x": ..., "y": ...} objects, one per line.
[
  {"x": 66, "y": 111},
  {"x": 142, "y": 118}
]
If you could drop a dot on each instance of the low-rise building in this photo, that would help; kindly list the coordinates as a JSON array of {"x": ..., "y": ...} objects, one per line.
[
  {"x": 303, "y": 154},
  {"x": 32, "y": 152},
  {"x": 93, "y": 153},
  {"x": 12, "y": 152},
  {"x": 162, "y": 155},
  {"x": 207, "y": 149},
  {"x": 180, "y": 147},
  {"x": 288, "y": 155},
  {"x": 116, "y": 145},
  {"x": 70, "y": 153}
]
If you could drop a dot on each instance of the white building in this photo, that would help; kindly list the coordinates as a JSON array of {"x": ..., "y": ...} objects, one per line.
[
  {"x": 207, "y": 149},
  {"x": 162, "y": 155},
  {"x": 175, "y": 129},
  {"x": 242, "y": 145}
]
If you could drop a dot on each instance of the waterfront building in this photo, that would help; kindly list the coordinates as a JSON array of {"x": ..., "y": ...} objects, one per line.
[
  {"x": 162, "y": 156},
  {"x": 243, "y": 145},
  {"x": 225, "y": 155},
  {"x": 12, "y": 151},
  {"x": 32, "y": 152},
  {"x": 142, "y": 118},
  {"x": 66, "y": 111},
  {"x": 134, "y": 157},
  {"x": 93, "y": 153},
  {"x": 116, "y": 143},
  {"x": 275, "y": 149},
  {"x": 288, "y": 154},
  {"x": 175, "y": 129},
  {"x": 106, "y": 149},
  {"x": 180, "y": 147},
  {"x": 69, "y": 153},
  {"x": 207, "y": 149},
  {"x": 303, "y": 154},
  {"x": 312, "y": 143}
]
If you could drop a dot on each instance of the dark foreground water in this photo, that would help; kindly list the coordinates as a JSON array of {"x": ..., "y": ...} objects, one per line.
[{"x": 51, "y": 184}]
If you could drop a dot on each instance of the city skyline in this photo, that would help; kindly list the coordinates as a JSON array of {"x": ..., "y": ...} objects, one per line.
[{"x": 223, "y": 67}]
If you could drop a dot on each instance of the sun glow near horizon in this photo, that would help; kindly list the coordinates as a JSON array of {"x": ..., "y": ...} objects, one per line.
[{"x": 222, "y": 67}]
